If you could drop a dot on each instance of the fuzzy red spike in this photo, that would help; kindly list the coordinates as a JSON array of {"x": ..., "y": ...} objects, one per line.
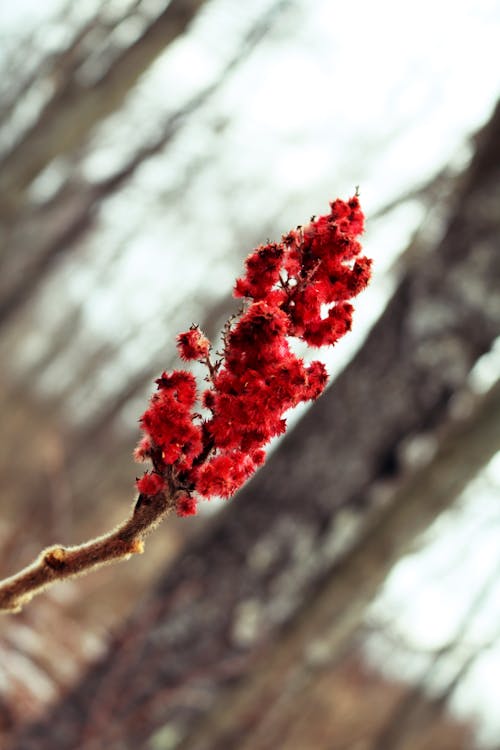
[{"x": 300, "y": 288}]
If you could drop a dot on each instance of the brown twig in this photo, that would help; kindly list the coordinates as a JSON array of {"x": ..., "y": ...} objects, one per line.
[{"x": 57, "y": 563}]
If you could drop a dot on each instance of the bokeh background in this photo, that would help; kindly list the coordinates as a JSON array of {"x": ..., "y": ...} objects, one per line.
[{"x": 146, "y": 148}]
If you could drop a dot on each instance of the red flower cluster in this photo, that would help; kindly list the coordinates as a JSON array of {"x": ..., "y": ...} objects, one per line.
[
  {"x": 297, "y": 288},
  {"x": 193, "y": 344}
]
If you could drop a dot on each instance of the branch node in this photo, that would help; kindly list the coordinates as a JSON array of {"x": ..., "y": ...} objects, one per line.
[
  {"x": 136, "y": 547},
  {"x": 55, "y": 558}
]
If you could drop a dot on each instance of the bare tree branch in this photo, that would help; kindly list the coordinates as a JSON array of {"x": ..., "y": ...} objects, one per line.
[
  {"x": 58, "y": 563},
  {"x": 53, "y": 229},
  {"x": 69, "y": 117}
]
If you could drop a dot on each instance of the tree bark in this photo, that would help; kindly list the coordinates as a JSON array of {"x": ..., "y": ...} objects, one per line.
[{"x": 220, "y": 611}]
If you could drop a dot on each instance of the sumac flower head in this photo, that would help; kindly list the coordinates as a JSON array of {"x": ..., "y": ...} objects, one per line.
[{"x": 298, "y": 288}]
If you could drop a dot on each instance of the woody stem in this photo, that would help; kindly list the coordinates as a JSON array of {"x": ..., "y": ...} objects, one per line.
[{"x": 58, "y": 563}]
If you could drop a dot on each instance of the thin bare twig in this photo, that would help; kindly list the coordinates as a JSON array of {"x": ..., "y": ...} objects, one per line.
[{"x": 58, "y": 563}]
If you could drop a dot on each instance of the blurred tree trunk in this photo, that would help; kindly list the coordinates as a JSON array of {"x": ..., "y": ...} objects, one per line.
[
  {"x": 305, "y": 545},
  {"x": 33, "y": 237}
]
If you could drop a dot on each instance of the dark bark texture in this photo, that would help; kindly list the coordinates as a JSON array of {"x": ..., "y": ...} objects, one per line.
[{"x": 235, "y": 592}]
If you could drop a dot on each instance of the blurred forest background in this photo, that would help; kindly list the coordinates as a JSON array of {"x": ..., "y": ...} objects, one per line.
[{"x": 145, "y": 148}]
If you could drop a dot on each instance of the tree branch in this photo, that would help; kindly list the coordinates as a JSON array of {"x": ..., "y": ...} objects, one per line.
[
  {"x": 71, "y": 115},
  {"x": 57, "y": 563}
]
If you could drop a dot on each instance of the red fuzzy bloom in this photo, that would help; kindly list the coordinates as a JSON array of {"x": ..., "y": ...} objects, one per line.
[
  {"x": 168, "y": 422},
  {"x": 316, "y": 380},
  {"x": 258, "y": 457},
  {"x": 359, "y": 276},
  {"x": 208, "y": 399},
  {"x": 150, "y": 483},
  {"x": 215, "y": 477},
  {"x": 143, "y": 450},
  {"x": 185, "y": 505},
  {"x": 222, "y": 475},
  {"x": 193, "y": 344},
  {"x": 179, "y": 386},
  {"x": 299, "y": 288},
  {"x": 263, "y": 270},
  {"x": 327, "y": 331}
]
